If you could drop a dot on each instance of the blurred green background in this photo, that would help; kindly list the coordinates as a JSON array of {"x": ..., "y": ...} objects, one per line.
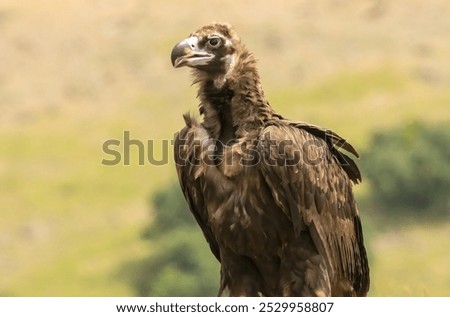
[{"x": 76, "y": 73}]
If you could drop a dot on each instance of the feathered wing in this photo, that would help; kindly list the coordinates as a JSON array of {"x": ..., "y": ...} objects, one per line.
[
  {"x": 188, "y": 153},
  {"x": 310, "y": 181}
]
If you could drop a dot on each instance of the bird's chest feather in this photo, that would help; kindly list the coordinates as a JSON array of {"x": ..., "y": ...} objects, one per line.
[{"x": 241, "y": 210}]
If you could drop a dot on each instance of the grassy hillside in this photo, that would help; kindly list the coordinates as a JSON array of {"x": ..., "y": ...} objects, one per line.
[
  {"x": 411, "y": 261},
  {"x": 75, "y": 74}
]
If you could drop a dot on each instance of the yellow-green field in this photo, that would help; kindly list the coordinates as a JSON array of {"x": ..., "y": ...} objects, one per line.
[{"x": 74, "y": 74}]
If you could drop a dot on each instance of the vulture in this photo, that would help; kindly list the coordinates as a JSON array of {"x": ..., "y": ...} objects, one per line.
[{"x": 273, "y": 197}]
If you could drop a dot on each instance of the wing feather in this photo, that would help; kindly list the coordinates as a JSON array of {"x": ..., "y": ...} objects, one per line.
[
  {"x": 313, "y": 188},
  {"x": 187, "y": 151}
]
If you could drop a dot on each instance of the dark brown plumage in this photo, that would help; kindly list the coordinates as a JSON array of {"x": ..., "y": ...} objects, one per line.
[{"x": 273, "y": 197}]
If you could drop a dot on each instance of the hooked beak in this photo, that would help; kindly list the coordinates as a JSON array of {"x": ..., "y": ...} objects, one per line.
[{"x": 187, "y": 53}]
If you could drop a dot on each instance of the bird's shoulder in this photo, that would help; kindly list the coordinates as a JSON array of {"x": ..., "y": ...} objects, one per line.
[
  {"x": 309, "y": 145},
  {"x": 301, "y": 166}
]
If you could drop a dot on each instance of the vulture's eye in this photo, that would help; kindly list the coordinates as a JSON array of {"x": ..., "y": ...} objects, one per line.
[{"x": 214, "y": 42}]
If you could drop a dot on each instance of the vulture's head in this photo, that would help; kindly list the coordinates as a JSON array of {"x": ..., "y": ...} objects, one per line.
[{"x": 212, "y": 50}]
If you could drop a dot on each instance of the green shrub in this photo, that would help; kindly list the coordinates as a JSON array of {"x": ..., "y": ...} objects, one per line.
[
  {"x": 181, "y": 263},
  {"x": 170, "y": 211},
  {"x": 409, "y": 168}
]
